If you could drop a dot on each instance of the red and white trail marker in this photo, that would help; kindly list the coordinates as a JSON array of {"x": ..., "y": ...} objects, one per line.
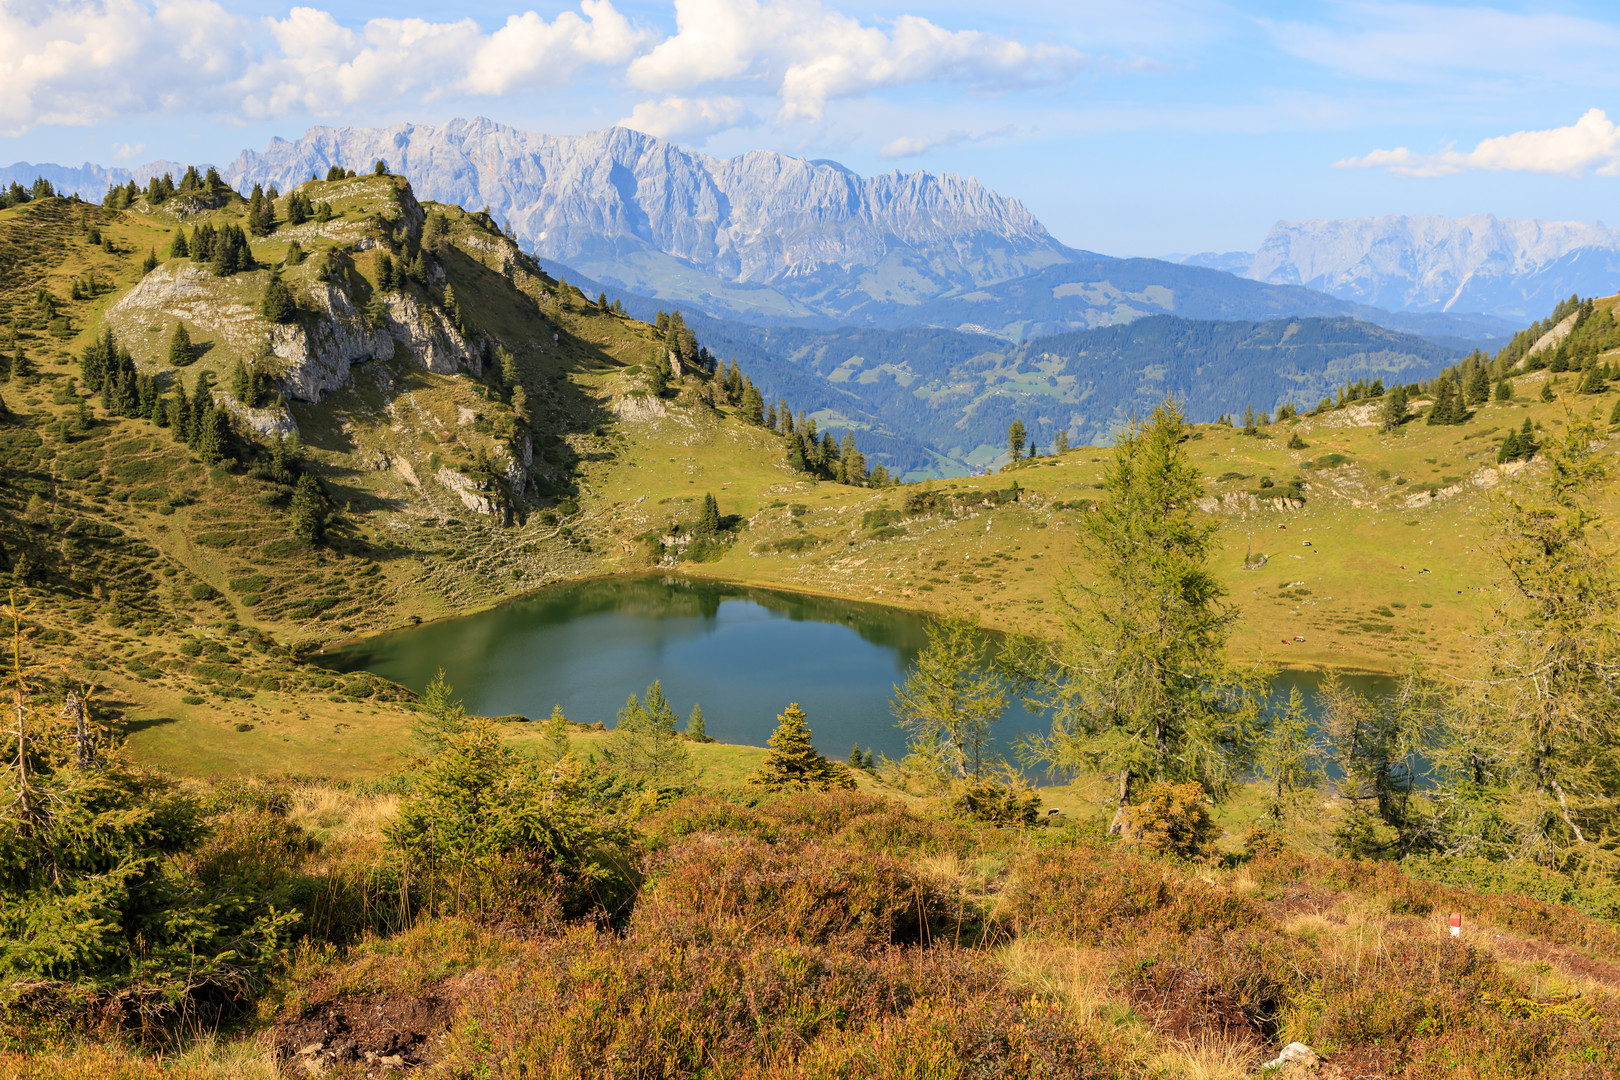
[{"x": 1456, "y": 924}]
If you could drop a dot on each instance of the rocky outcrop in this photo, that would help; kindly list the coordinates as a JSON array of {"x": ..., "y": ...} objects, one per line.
[
  {"x": 472, "y": 492},
  {"x": 314, "y": 356}
]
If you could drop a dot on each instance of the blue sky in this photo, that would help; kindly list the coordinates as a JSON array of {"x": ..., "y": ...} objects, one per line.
[{"x": 1128, "y": 126}]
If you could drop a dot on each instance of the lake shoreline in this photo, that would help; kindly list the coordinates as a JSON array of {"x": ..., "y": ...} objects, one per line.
[{"x": 350, "y": 640}]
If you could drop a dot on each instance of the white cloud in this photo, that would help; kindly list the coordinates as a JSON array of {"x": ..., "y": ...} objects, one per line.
[
  {"x": 85, "y": 61},
  {"x": 676, "y": 117},
  {"x": 91, "y": 61},
  {"x": 125, "y": 151},
  {"x": 1591, "y": 144},
  {"x": 914, "y": 145},
  {"x": 808, "y": 54}
]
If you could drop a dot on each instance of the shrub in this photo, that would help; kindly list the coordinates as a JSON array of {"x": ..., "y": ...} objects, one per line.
[
  {"x": 1173, "y": 819},
  {"x": 811, "y": 893},
  {"x": 1093, "y": 896}
]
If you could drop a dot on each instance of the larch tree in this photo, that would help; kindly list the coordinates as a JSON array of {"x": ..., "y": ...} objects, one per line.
[
  {"x": 1138, "y": 683},
  {"x": 951, "y": 700}
]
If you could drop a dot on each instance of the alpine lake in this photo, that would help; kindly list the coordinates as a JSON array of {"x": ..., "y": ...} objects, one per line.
[{"x": 743, "y": 653}]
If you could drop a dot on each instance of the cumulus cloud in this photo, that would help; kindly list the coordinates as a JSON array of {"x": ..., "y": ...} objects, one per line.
[
  {"x": 87, "y": 61},
  {"x": 676, "y": 117},
  {"x": 1591, "y": 144},
  {"x": 90, "y": 61},
  {"x": 126, "y": 151},
  {"x": 808, "y": 54}
]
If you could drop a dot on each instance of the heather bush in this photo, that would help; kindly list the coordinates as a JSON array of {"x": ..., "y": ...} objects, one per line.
[
  {"x": 1232, "y": 983},
  {"x": 809, "y": 893},
  {"x": 1094, "y": 895},
  {"x": 704, "y": 814}
]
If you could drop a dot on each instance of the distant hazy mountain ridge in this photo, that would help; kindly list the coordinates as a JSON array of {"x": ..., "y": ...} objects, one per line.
[
  {"x": 1509, "y": 268},
  {"x": 634, "y": 210}
]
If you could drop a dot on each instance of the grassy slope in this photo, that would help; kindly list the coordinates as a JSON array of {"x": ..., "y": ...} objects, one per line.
[{"x": 410, "y": 550}]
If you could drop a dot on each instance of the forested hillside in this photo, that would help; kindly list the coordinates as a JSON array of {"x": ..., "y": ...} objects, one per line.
[{"x": 931, "y": 401}]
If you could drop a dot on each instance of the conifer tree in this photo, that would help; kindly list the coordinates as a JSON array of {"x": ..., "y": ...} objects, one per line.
[
  {"x": 307, "y": 510},
  {"x": 1504, "y": 389},
  {"x": 1614, "y": 414},
  {"x": 440, "y": 718},
  {"x": 1015, "y": 440},
  {"x": 709, "y": 517},
  {"x": 658, "y": 371},
  {"x": 753, "y": 404},
  {"x": 1392, "y": 411},
  {"x": 1528, "y": 444},
  {"x": 1547, "y": 393},
  {"x": 1448, "y": 406},
  {"x": 644, "y": 747},
  {"x": 1593, "y": 382},
  {"x": 697, "y": 727},
  {"x": 1510, "y": 447},
  {"x": 1139, "y": 682},
  {"x": 554, "y": 743},
  {"x": 385, "y": 272},
  {"x": 277, "y": 305},
  {"x": 793, "y": 764},
  {"x": 1062, "y": 442},
  {"x": 149, "y": 263},
  {"x": 950, "y": 700}
]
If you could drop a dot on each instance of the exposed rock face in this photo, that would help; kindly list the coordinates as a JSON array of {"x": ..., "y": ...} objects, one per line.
[
  {"x": 469, "y": 490},
  {"x": 607, "y": 201},
  {"x": 314, "y": 356},
  {"x": 1511, "y": 268}
]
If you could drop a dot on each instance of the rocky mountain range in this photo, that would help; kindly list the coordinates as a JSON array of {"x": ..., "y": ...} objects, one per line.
[
  {"x": 773, "y": 240},
  {"x": 1508, "y": 268}
]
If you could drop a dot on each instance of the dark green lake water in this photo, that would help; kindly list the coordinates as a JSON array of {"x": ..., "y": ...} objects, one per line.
[{"x": 743, "y": 653}]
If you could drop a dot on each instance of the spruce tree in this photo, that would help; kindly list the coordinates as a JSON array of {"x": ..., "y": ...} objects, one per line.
[
  {"x": 277, "y": 305},
  {"x": 793, "y": 764},
  {"x": 150, "y": 263},
  {"x": 1614, "y": 414},
  {"x": 644, "y": 747},
  {"x": 180, "y": 348},
  {"x": 708, "y": 522},
  {"x": 307, "y": 512},
  {"x": 1015, "y": 440},
  {"x": 1547, "y": 393},
  {"x": 1392, "y": 412},
  {"x": 1510, "y": 447},
  {"x": 1504, "y": 389}
]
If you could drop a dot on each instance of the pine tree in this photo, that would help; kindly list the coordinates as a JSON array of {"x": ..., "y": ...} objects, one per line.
[
  {"x": 697, "y": 727},
  {"x": 658, "y": 371},
  {"x": 1547, "y": 393},
  {"x": 1295, "y": 442},
  {"x": 150, "y": 263},
  {"x": 1015, "y": 440},
  {"x": 1504, "y": 389},
  {"x": 385, "y": 273},
  {"x": 1448, "y": 407},
  {"x": 1614, "y": 414},
  {"x": 1248, "y": 421},
  {"x": 307, "y": 510},
  {"x": 753, "y": 404},
  {"x": 1528, "y": 445},
  {"x": 1479, "y": 383},
  {"x": 793, "y": 764},
  {"x": 708, "y": 522}
]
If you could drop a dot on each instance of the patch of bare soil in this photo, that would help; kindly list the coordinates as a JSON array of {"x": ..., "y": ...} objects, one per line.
[{"x": 368, "y": 1036}]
